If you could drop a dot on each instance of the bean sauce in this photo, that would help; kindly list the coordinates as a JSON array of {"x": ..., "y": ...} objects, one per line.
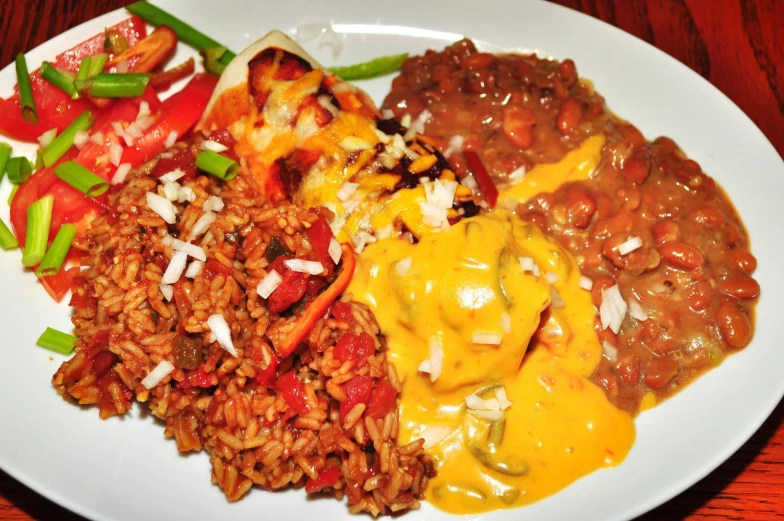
[{"x": 692, "y": 277}]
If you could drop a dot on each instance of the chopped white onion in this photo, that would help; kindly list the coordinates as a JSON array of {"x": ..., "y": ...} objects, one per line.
[
  {"x": 326, "y": 103},
  {"x": 115, "y": 153},
  {"x": 387, "y": 114},
  {"x": 213, "y": 204},
  {"x": 386, "y": 232},
  {"x": 527, "y": 263},
  {"x": 186, "y": 193},
  {"x": 418, "y": 125},
  {"x": 175, "y": 268},
  {"x": 81, "y": 138},
  {"x": 469, "y": 182},
  {"x": 194, "y": 269},
  {"x": 192, "y": 250},
  {"x": 455, "y": 145},
  {"x": 403, "y": 265},
  {"x": 435, "y": 434},
  {"x": 439, "y": 198},
  {"x": 167, "y": 290},
  {"x": 162, "y": 207},
  {"x": 503, "y": 401},
  {"x": 609, "y": 351},
  {"x": 382, "y": 137},
  {"x": 406, "y": 120},
  {"x": 436, "y": 361},
  {"x": 98, "y": 138},
  {"x": 346, "y": 191},
  {"x": 334, "y": 250},
  {"x": 555, "y": 299},
  {"x": 506, "y": 323},
  {"x": 613, "y": 309},
  {"x": 492, "y": 416},
  {"x": 489, "y": 409},
  {"x": 268, "y": 284},
  {"x": 355, "y": 144},
  {"x": 172, "y": 176},
  {"x": 144, "y": 110},
  {"x": 121, "y": 173},
  {"x": 171, "y": 191},
  {"x": 585, "y": 283},
  {"x": 636, "y": 311},
  {"x": 517, "y": 174},
  {"x": 483, "y": 337},
  {"x": 213, "y": 146},
  {"x": 551, "y": 277},
  {"x": 222, "y": 333},
  {"x": 630, "y": 245},
  {"x": 171, "y": 139},
  {"x": 304, "y": 266},
  {"x": 202, "y": 225},
  {"x": 156, "y": 376}
]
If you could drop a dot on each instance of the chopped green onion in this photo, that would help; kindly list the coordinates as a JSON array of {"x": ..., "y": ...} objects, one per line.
[
  {"x": 84, "y": 69},
  {"x": 215, "y": 164},
  {"x": 56, "y": 341},
  {"x": 7, "y": 239},
  {"x": 19, "y": 170},
  {"x": 55, "y": 255},
  {"x": 25, "y": 90},
  {"x": 5, "y": 154},
  {"x": 372, "y": 69},
  {"x": 39, "y": 160},
  {"x": 186, "y": 33},
  {"x": 97, "y": 62},
  {"x": 39, "y": 219},
  {"x": 81, "y": 178},
  {"x": 13, "y": 193},
  {"x": 60, "y": 145},
  {"x": 108, "y": 85},
  {"x": 212, "y": 60},
  {"x": 59, "y": 79}
]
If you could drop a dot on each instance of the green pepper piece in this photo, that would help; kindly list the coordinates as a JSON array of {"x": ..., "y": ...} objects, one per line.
[{"x": 371, "y": 69}]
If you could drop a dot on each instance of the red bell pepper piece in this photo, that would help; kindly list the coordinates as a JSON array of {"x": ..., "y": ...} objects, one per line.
[
  {"x": 290, "y": 290},
  {"x": 477, "y": 168},
  {"x": 320, "y": 235}
]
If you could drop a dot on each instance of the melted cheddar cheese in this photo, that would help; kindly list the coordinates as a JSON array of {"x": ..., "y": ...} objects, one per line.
[{"x": 560, "y": 426}]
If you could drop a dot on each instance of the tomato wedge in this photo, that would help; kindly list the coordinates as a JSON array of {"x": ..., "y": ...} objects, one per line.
[
  {"x": 55, "y": 108},
  {"x": 178, "y": 114}
]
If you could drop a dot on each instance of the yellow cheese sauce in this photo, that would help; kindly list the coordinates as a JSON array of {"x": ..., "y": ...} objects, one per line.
[{"x": 460, "y": 282}]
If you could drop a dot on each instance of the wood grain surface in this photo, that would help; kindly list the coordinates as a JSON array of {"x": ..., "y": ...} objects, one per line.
[{"x": 737, "y": 45}]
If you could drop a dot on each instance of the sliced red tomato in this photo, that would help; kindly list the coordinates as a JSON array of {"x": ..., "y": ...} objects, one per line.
[
  {"x": 382, "y": 400},
  {"x": 268, "y": 376},
  {"x": 354, "y": 347},
  {"x": 178, "y": 114},
  {"x": 290, "y": 290},
  {"x": 326, "y": 478},
  {"x": 342, "y": 312},
  {"x": 55, "y": 108},
  {"x": 293, "y": 392},
  {"x": 358, "y": 390}
]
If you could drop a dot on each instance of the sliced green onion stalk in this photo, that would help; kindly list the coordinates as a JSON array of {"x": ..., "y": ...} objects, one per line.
[
  {"x": 7, "y": 239},
  {"x": 97, "y": 63},
  {"x": 5, "y": 155},
  {"x": 62, "y": 143},
  {"x": 81, "y": 178},
  {"x": 39, "y": 160},
  {"x": 39, "y": 219},
  {"x": 114, "y": 42},
  {"x": 215, "y": 164},
  {"x": 13, "y": 193},
  {"x": 157, "y": 16},
  {"x": 19, "y": 170},
  {"x": 372, "y": 69},
  {"x": 108, "y": 85},
  {"x": 55, "y": 255},
  {"x": 25, "y": 90},
  {"x": 84, "y": 69},
  {"x": 59, "y": 79},
  {"x": 56, "y": 341},
  {"x": 212, "y": 60}
]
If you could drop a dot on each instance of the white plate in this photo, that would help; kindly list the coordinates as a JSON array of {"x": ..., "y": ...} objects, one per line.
[{"x": 124, "y": 470}]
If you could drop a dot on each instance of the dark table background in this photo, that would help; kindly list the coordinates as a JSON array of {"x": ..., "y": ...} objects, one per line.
[{"x": 738, "y": 45}]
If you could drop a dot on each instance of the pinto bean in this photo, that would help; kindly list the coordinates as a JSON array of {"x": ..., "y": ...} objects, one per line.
[
  {"x": 734, "y": 325},
  {"x": 681, "y": 255},
  {"x": 660, "y": 371},
  {"x": 664, "y": 231},
  {"x": 570, "y": 114},
  {"x": 518, "y": 126},
  {"x": 637, "y": 167},
  {"x": 708, "y": 217},
  {"x": 739, "y": 286},
  {"x": 581, "y": 206},
  {"x": 743, "y": 260}
]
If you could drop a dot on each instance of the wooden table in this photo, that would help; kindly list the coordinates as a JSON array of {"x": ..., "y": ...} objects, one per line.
[{"x": 735, "y": 44}]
